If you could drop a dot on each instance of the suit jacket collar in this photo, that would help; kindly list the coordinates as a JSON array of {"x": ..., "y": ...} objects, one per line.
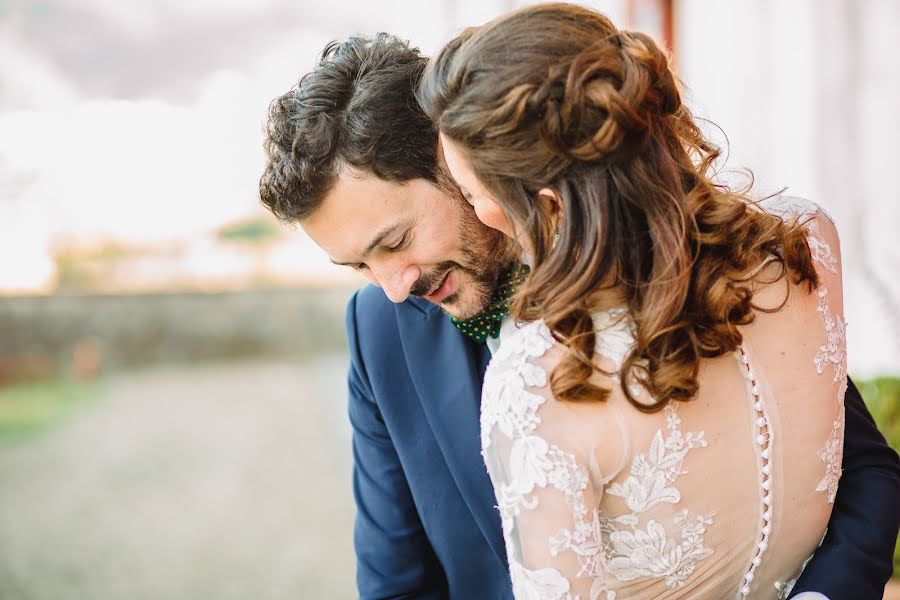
[
  {"x": 421, "y": 305},
  {"x": 446, "y": 369}
]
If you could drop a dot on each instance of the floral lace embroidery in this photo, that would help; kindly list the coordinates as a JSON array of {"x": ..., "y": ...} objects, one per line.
[
  {"x": 637, "y": 552},
  {"x": 788, "y": 207},
  {"x": 821, "y": 250},
  {"x": 542, "y": 584},
  {"x": 650, "y": 553},
  {"x": 831, "y": 455},
  {"x": 834, "y": 351},
  {"x": 511, "y": 405},
  {"x": 640, "y": 552},
  {"x": 615, "y": 332},
  {"x": 533, "y": 462},
  {"x": 547, "y": 584}
]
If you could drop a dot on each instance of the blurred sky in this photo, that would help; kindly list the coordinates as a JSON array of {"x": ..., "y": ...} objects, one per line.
[
  {"x": 139, "y": 123},
  {"x": 136, "y": 121}
]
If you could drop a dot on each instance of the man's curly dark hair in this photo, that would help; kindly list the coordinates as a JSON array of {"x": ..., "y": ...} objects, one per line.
[{"x": 356, "y": 109}]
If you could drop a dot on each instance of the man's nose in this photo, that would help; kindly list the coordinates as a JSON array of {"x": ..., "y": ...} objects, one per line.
[{"x": 397, "y": 281}]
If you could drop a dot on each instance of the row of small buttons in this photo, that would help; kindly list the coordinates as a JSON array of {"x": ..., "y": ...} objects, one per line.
[{"x": 764, "y": 443}]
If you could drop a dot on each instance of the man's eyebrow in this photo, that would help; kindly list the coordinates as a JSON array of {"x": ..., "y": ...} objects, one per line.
[{"x": 378, "y": 239}]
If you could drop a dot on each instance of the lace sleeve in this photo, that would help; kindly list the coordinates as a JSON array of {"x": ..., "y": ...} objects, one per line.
[{"x": 541, "y": 479}]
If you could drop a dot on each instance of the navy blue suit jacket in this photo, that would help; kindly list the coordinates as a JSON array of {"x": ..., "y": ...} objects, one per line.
[{"x": 426, "y": 524}]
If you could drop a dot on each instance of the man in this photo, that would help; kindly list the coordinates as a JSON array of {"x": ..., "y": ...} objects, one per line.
[{"x": 354, "y": 160}]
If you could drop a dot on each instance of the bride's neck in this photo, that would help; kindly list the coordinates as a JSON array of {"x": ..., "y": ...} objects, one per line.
[{"x": 607, "y": 297}]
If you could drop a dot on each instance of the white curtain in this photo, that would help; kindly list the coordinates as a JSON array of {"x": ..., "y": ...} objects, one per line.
[{"x": 807, "y": 93}]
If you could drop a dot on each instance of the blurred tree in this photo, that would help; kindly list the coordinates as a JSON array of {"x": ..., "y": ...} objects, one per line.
[
  {"x": 882, "y": 396},
  {"x": 251, "y": 231},
  {"x": 257, "y": 236},
  {"x": 90, "y": 269}
]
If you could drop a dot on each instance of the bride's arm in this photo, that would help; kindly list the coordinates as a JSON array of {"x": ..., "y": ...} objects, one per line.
[
  {"x": 855, "y": 559},
  {"x": 541, "y": 479}
]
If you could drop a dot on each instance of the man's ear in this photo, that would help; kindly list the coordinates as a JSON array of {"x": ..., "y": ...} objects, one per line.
[{"x": 552, "y": 205}]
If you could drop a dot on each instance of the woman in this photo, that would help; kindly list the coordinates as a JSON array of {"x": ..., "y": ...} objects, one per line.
[{"x": 667, "y": 418}]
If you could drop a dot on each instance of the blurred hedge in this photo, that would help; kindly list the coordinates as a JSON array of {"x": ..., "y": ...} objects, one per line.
[{"x": 882, "y": 396}]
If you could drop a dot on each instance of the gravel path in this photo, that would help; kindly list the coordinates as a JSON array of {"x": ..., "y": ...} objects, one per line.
[
  {"x": 206, "y": 483},
  {"x": 214, "y": 482}
]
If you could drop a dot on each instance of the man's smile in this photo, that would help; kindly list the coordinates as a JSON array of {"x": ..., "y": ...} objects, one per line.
[{"x": 443, "y": 290}]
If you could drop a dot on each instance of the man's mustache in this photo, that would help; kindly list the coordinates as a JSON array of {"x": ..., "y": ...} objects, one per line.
[{"x": 426, "y": 283}]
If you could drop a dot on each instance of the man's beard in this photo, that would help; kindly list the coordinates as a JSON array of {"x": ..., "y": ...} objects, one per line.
[{"x": 486, "y": 252}]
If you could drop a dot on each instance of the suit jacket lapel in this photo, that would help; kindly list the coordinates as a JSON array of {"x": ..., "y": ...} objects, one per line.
[{"x": 447, "y": 370}]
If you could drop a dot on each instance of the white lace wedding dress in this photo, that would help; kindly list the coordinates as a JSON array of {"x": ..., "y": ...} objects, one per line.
[{"x": 725, "y": 496}]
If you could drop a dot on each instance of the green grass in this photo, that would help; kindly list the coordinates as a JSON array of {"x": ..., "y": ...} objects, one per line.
[
  {"x": 31, "y": 407},
  {"x": 882, "y": 396}
]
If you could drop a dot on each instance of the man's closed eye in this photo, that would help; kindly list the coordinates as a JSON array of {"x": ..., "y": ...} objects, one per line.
[{"x": 401, "y": 244}]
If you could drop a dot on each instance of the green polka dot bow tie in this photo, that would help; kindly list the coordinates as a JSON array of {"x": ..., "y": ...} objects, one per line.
[{"x": 487, "y": 323}]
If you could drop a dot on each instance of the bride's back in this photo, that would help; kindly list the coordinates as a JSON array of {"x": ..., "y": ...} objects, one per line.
[{"x": 721, "y": 496}]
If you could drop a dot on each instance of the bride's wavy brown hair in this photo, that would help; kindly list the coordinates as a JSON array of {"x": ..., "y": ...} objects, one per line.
[{"x": 554, "y": 96}]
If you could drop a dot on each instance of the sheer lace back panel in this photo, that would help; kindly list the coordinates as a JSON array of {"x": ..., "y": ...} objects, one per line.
[{"x": 724, "y": 496}]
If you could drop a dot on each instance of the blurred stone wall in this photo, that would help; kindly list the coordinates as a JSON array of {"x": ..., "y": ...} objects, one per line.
[{"x": 46, "y": 335}]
